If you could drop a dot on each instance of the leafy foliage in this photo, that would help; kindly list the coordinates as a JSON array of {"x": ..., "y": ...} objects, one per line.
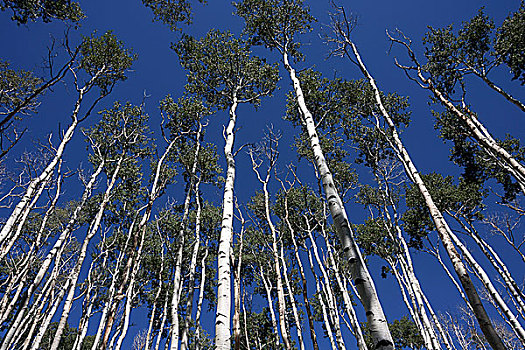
[
  {"x": 274, "y": 23},
  {"x": 171, "y": 12},
  {"x": 47, "y": 10},
  {"x": 105, "y": 59},
  {"x": 405, "y": 334},
  {"x": 221, "y": 68},
  {"x": 510, "y": 46}
]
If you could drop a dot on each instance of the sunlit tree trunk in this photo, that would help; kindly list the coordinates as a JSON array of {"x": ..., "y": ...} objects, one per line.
[
  {"x": 83, "y": 253},
  {"x": 292, "y": 301},
  {"x": 268, "y": 288},
  {"x": 304, "y": 288},
  {"x": 157, "y": 295},
  {"x": 349, "y": 308},
  {"x": 35, "y": 187},
  {"x": 272, "y": 155},
  {"x": 200, "y": 299},
  {"x": 440, "y": 223},
  {"x": 320, "y": 293},
  {"x": 330, "y": 299},
  {"x": 362, "y": 279},
  {"x": 223, "y": 315},
  {"x": 237, "y": 288}
]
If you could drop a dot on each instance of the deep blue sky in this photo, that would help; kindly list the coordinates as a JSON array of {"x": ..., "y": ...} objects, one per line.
[{"x": 157, "y": 73}]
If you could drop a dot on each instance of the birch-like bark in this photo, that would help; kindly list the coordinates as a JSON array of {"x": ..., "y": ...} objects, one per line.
[
  {"x": 193, "y": 262},
  {"x": 327, "y": 325},
  {"x": 292, "y": 302},
  {"x": 330, "y": 299},
  {"x": 381, "y": 336},
  {"x": 110, "y": 295},
  {"x": 408, "y": 277},
  {"x": 349, "y": 308},
  {"x": 157, "y": 295},
  {"x": 74, "y": 276},
  {"x": 275, "y": 249},
  {"x": 83, "y": 253},
  {"x": 58, "y": 244},
  {"x": 9, "y": 301},
  {"x": 175, "y": 298},
  {"x": 493, "y": 292},
  {"x": 47, "y": 321},
  {"x": 237, "y": 288},
  {"x": 127, "y": 310},
  {"x": 304, "y": 288},
  {"x": 133, "y": 263},
  {"x": 200, "y": 299},
  {"x": 478, "y": 130},
  {"x": 162, "y": 322},
  {"x": 223, "y": 314},
  {"x": 28, "y": 200},
  {"x": 441, "y": 225},
  {"x": 268, "y": 288},
  {"x": 497, "y": 263}
]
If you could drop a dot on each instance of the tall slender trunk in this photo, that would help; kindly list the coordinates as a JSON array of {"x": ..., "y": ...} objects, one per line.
[
  {"x": 83, "y": 253},
  {"x": 268, "y": 288},
  {"x": 200, "y": 299},
  {"x": 327, "y": 325},
  {"x": 237, "y": 291},
  {"x": 47, "y": 321},
  {"x": 292, "y": 301},
  {"x": 349, "y": 308},
  {"x": 58, "y": 244},
  {"x": 275, "y": 250},
  {"x": 33, "y": 191},
  {"x": 193, "y": 262},
  {"x": 407, "y": 277},
  {"x": 498, "y": 264},
  {"x": 223, "y": 314},
  {"x": 127, "y": 311},
  {"x": 157, "y": 295},
  {"x": 330, "y": 299},
  {"x": 493, "y": 292},
  {"x": 441, "y": 225},
  {"x": 162, "y": 322},
  {"x": 478, "y": 130},
  {"x": 381, "y": 336},
  {"x": 304, "y": 288}
]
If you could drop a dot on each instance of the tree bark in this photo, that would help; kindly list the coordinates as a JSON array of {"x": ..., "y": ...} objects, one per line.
[
  {"x": 440, "y": 223},
  {"x": 223, "y": 314},
  {"x": 363, "y": 281}
]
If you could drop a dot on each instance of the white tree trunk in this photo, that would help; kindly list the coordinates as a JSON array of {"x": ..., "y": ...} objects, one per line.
[
  {"x": 441, "y": 225},
  {"x": 327, "y": 325},
  {"x": 268, "y": 288},
  {"x": 33, "y": 191},
  {"x": 223, "y": 315},
  {"x": 363, "y": 281},
  {"x": 292, "y": 301},
  {"x": 200, "y": 299},
  {"x": 493, "y": 292},
  {"x": 82, "y": 255}
]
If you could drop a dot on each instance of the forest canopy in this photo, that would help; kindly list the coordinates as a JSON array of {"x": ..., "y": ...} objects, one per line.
[{"x": 262, "y": 174}]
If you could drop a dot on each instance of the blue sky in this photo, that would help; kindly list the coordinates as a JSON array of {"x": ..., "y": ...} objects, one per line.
[{"x": 158, "y": 73}]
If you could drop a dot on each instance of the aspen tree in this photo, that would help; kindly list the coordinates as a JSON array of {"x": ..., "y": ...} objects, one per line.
[
  {"x": 267, "y": 150},
  {"x": 105, "y": 61},
  {"x": 474, "y": 49},
  {"x": 222, "y": 71},
  {"x": 274, "y": 25},
  {"x": 349, "y": 49},
  {"x": 506, "y": 158}
]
